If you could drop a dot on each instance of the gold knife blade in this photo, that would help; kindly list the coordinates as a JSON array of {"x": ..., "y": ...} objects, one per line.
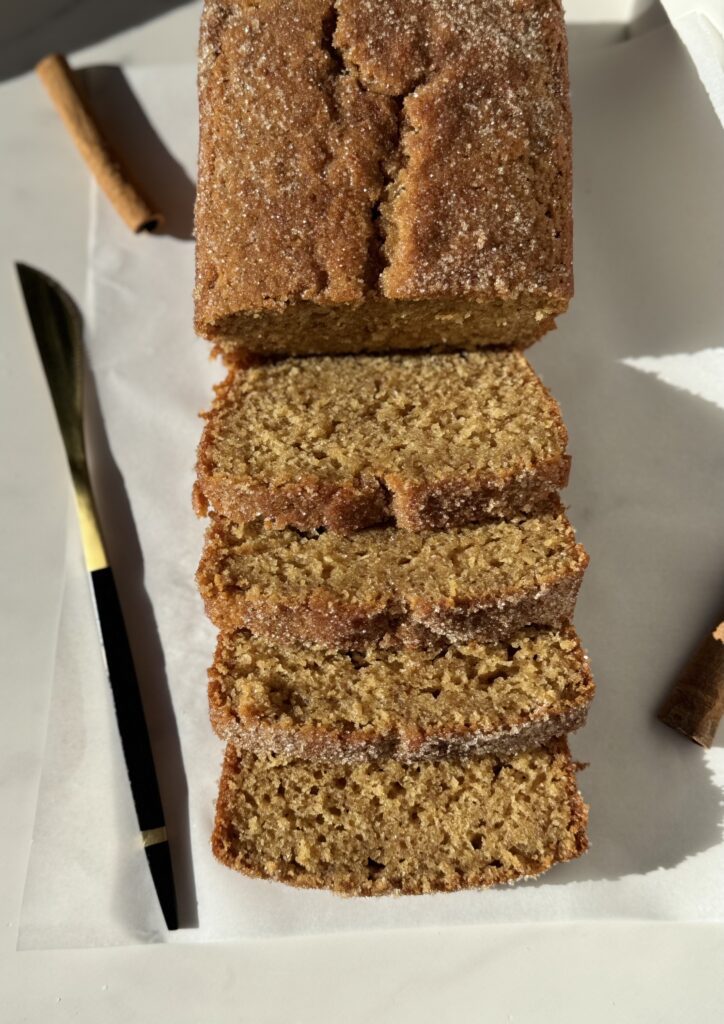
[{"x": 56, "y": 324}]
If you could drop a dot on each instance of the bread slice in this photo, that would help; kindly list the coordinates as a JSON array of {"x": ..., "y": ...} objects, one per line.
[
  {"x": 428, "y": 441},
  {"x": 384, "y": 827},
  {"x": 497, "y": 698},
  {"x": 392, "y": 586},
  {"x": 382, "y": 175}
]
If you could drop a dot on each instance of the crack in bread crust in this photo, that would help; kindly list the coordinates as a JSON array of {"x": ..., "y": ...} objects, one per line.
[{"x": 339, "y": 207}]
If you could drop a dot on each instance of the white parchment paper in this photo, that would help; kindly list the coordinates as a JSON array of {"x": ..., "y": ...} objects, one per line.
[
  {"x": 647, "y": 497},
  {"x": 700, "y": 23}
]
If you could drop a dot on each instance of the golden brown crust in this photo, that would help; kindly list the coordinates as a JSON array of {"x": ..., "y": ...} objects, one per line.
[
  {"x": 382, "y": 176},
  {"x": 291, "y": 161},
  {"x": 322, "y": 746},
  {"x": 478, "y": 437},
  {"x": 321, "y": 619},
  {"x": 312, "y": 504},
  {"x": 566, "y": 841}
]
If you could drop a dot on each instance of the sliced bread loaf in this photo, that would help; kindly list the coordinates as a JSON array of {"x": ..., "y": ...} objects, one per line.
[
  {"x": 384, "y": 827},
  {"x": 391, "y": 586},
  {"x": 345, "y": 707},
  {"x": 428, "y": 441}
]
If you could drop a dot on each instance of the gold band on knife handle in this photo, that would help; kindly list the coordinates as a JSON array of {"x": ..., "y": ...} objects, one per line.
[
  {"x": 93, "y": 547},
  {"x": 95, "y": 559},
  {"x": 153, "y": 836}
]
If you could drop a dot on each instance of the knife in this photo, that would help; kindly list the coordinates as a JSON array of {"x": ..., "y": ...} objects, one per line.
[{"x": 56, "y": 325}]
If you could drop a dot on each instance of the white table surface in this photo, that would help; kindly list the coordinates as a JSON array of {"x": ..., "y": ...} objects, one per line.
[{"x": 587, "y": 972}]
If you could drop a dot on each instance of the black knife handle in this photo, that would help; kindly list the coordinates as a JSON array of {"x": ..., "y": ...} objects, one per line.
[{"x": 134, "y": 737}]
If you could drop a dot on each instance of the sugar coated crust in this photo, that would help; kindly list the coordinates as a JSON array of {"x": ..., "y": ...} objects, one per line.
[
  {"x": 382, "y": 174},
  {"x": 391, "y": 586},
  {"x": 426, "y": 442},
  {"x": 386, "y": 828},
  {"x": 413, "y": 705}
]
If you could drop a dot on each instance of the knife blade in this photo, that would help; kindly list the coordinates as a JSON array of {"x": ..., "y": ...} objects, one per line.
[{"x": 57, "y": 328}]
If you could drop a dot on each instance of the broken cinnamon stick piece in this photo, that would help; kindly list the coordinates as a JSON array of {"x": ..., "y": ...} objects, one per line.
[
  {"x": 696, "y": 703},
  {"x": 62, "y": 87}
]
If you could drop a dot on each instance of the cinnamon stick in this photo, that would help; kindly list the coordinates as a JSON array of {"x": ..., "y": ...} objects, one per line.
[
  {"x": 62, "y": 87},
  {"x": 695, "y": 705}
]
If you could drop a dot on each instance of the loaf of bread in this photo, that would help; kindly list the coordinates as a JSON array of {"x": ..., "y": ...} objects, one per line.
[
  {"x": 384, "y": 827},
  {"x": 347, "y": 591},
  {"x": 427, "y": 441},
  {"x": 474, "y": 699},
  {"x": 382, "y": 175}
]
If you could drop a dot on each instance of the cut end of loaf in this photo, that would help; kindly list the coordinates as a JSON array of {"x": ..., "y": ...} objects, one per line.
[
  {"x": 375, "y": 324},
  {"x": 384, "y": 828}
]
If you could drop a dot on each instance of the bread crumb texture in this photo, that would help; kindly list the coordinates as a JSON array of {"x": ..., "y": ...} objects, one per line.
[
  {"x": 385, "y": 827},
  {"x": 427, "y": 441},
  {"x": 380, "y": 174},
  {"x": 363, "y": 705},
  {"x": 386, "y": 585}
]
